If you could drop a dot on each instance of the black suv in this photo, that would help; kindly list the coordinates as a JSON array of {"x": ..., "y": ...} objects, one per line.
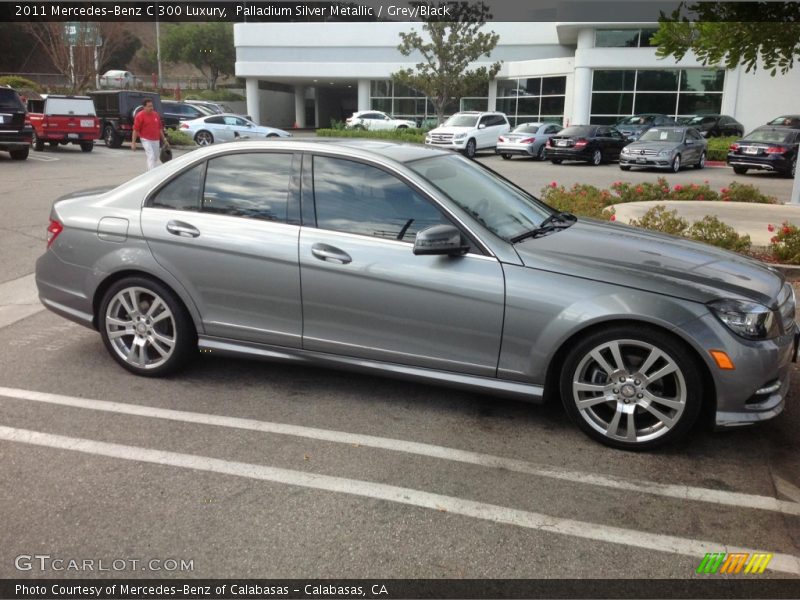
[
  {"x": 116, "y": 110},
  {"x": 176, "y": 112},
  {"x": 15, "y": 131}
]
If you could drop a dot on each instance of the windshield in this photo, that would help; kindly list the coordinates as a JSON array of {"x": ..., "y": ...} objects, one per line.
[
  {"x": 462, "y": 121},
  {"x": 662, "y": 135},
  {"x": 526, "y": 128},
  {"x": 498, "y": 205},
  {"x": 769, "y": 135},
  {"x": 700, "y": 120}
]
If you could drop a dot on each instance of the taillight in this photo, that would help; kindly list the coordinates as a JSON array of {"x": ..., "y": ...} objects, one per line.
[
  {"x": 53, "y": 230},
  {"x": 734, "y": 147},
  {"x": 580, "y": 143},
  {"x": 527, "y": 141},
  {"x": 501, "y": 139},
  {"x": 775, "y": 150},
  {"x": 184, "y": 126}
]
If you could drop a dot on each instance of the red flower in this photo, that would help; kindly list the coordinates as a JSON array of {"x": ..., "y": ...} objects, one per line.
[
  {"x": 694, "y": 186},
  {"x": 724, "y": 190},
  {"x": 665, "y": 190},
  {"x": 786, "y": 230},
  {"x": 678, "y": 188},
  {"x": 553, "y": 184},
  {"x": 726, "y": 199},
  {"x": 770, "y": 227},
  {"x": 613, "y": 218},
  {"x": 774, "y": 239},
  {"x": 639, "y": 189}
]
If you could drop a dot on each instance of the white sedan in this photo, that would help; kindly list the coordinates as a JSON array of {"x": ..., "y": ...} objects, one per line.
[
  {"x": 375, "y": 120},
  {"x": 226, "y": 128}
]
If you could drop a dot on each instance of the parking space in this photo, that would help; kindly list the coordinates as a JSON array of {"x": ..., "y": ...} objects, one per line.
[{"x": 254, "y": 469}]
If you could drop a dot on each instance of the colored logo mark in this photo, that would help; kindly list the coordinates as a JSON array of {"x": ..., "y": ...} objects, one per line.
[{"x": 735, "y": 562}]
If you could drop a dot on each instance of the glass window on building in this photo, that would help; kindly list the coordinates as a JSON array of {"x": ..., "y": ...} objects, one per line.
[
  {"x": 616, "y": 38},
  {"x": 532, "y": 99},
  {"x": 617, "y": 93}
]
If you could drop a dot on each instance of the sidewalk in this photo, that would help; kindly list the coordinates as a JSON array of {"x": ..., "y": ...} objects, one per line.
[{"x": 745, "y": 217}]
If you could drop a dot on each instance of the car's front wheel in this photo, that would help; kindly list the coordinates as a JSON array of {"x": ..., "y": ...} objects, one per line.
[
  {"x": 111, "y": 138},
  {"x": 87, "y": 146},
  {"x": 701, "y": 162},
  {"x": 204, "y": 138},
  {"x": 470, "y": 149},
  {"x": 20, "y": 153},
  {"x": 597, "y": 157},
  {"x": 676, "y": 163},
  {"x": 506, "y": 156},
  {"x": 145, "y": 328},
  {"x": 740, "y": 170},
  {"x": 631, "y": 387}
]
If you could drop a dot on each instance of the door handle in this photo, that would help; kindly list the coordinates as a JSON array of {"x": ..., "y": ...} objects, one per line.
[
  {"x": 330, "y": 253},
  {"x": 182, "y": 229}
]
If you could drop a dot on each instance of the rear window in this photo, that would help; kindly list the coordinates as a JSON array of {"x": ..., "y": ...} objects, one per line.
[
  {"x": 526, "y": 128},
  {"x": 9, "y": 100},
  {"x": 69, "y": 106},
  {"x": 770, "y": 135},
  {"x": 578, "y": 130}
]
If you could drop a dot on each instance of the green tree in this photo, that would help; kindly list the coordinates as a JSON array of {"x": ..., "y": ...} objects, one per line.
[
  {"x": 752, "y": 34},
  {"x": 732, "y": 33},
  {"x": 443, "y": 74},
  {"x": 123, "y": 53},
  {"x": 207, "y": 46}
]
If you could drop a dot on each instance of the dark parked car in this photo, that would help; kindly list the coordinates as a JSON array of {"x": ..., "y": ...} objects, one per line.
[
  {"x": 714, "y": 125},
  {"x": 666, "y": 148},
  {"x": 15, "y": 130},
  {"x": 588, "y": 143},
  {"x": 792, "y": 121},
  {"x": 634, "y": 126},
  {"x": 116, "y": 109},
  {"x": 416, "y": 262},
  {"x": 174, "y": 113},
  {"x": 766, "y": 148}
]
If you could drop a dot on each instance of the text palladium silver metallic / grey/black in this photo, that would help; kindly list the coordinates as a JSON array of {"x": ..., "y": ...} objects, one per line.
[{"x": 417, "y": 263}]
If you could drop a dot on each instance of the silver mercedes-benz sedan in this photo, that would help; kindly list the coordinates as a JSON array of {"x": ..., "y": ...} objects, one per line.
[
  {"x": 417, "y": 263},
  {"x": 666, "y": 148}
]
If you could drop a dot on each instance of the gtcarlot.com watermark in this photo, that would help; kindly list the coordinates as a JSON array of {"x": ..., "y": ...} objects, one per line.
[{"x": 47, "y": 563}]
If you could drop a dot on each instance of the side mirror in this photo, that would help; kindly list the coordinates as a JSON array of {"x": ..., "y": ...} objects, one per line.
[
  {"x": 482, "y": 126},
  {"x": 441, "y": 240}
]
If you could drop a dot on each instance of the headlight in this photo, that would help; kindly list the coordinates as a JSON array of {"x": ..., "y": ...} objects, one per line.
[
  {"x": 666, "y": 152},
  {"x": 459, "y": 136},
  {"x": 626, "y": 150},
  {"x": 427, "y": 138},
  {"x": 748, "y": 319}
]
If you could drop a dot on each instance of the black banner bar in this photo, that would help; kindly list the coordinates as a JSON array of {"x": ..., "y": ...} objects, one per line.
[
  {"x": 566, "y": 11},
  {"x": 714, "y": 586}
]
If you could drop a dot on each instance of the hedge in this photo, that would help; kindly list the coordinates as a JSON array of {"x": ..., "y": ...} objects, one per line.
[{"x": 414, "y": 136}]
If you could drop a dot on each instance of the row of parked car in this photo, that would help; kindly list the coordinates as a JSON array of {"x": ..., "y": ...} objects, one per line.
[
  {"x": 650, "y": 141},
  {"x": 56, "y": 119}
]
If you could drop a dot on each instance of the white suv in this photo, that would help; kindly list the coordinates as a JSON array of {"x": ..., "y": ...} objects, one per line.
[
  {"x": 469, "y": 132},
  {"x": 376, "y": 121}
]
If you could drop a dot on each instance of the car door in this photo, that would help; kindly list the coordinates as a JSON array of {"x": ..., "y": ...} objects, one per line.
[
  {"x": 227, "y": 230},
  {"x": 616, "y": 142},
  {"x": 366, "y": 295},
  {"x": 693, "y": 147},
  {"x": 485, "y": 135}
]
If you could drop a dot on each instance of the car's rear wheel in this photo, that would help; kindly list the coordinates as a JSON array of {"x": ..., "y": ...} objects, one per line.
[
  {"x": 145, "y": 328},
  {"x": 111, "y": 138},
  {"x": 740, "y": 170},
  {"x": 203, "y": 138},
  {"x": 470, "y": 149},
  {"x": 87, "y": 146},
  {"x": 20, "y": 153},
  {"x": 556, "y": 161},
  {"x": 701, "y": 162},
  {"x": 625, "y": 167},
  {"x": 37, "y": 143},
  {"x": 272, "y": 135},
  {"x": 676, "y": 163},
  {"x": 53, "y": 144},
  {"x": 506, "y": 156},
  {"x": 793, "y": 170},
  {"x": 597, "y": 157},
  {"x": 631, "y": 387}
]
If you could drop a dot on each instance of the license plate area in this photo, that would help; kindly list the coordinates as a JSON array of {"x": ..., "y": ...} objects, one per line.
[
  {"x": 562, "y": 143},
  {"x": 751, "y": 150},
  {"x": 641, "y": 160},
  {"x": 73, "y": 136}
]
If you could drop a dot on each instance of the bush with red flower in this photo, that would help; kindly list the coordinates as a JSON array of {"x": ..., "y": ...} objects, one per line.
[{"x": 785, "y": 244}]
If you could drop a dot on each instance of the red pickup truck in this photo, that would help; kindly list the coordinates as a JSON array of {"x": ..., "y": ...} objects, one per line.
[{"x": 58, "y": 119}]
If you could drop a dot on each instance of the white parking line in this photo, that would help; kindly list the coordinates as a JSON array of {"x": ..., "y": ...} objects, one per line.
[
  {"x": 784, "y": 563},
  {"x": 681, "y": 492},
  {"x": 19, "y": 299},
  {"x": 41, "y": 158}
]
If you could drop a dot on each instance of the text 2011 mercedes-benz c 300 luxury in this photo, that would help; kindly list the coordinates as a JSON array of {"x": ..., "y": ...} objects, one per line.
[{"x": 418, "y": 263}]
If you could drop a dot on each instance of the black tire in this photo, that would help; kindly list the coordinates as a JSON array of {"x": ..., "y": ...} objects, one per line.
[
  {"x": 272, "y": 135},
  {"x": 20, "y": 153},
  {"x": 740, "y": 170},
  {"x": 676, "y": 164},
  {"x": 111, "y": 137},
  {"x": 53, "y": 144},
  {"x": 506, "y": 156},
  {"x": 37, "y": 144},
  {"x": 402, "y": 127},
  {"x": 683, "y": 388},
  {"x": 556, "y": 161},
  {"x": 597, "y": 158},
  {"x": 701, "y": 162},
  {"x": 87, "y": 146},
  {"x": 792, "y": 171},
  {"x": 625, "y": 167},
  {"x": 203, "y": 138},
  {"x": 176, "y": 326},
  {"x": 470, "y": 149}
]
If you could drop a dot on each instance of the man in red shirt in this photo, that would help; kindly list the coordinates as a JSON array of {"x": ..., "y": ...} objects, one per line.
[{"x": 147, "y": 127}]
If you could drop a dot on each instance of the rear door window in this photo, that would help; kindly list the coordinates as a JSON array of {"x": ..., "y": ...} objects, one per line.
[
  {"x": 9, "y": 100},
  {"x": 69, "y": 106}
]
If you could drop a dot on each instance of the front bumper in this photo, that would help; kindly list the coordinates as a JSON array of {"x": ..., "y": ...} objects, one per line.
[
  {"x": 452, "y": 144},
  {"x": 657, "y": 162}
]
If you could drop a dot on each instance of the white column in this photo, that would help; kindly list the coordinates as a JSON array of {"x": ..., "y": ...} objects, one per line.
[
  {"x": 300, "y": 105},
  {"x": 581, "y": 96},
  {"x": 492, "y": 103},
  {"x": 253, "y": 99},
  {"x": 316, "y": 107},
  {"x": 363, "y": 94}
]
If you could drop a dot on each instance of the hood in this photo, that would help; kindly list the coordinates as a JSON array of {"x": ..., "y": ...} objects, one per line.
[
  {"x": 451, "y": 129},
  {"x": 631, "y": 257},
  {"x": 654, "y": 145}
]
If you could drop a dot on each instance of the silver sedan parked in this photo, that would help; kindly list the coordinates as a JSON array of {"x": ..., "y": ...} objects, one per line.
[
  {"x": 526, "y": 139},
  {"x": 666, "y": 148},
  {"x": 418, "y": 263},
  {"x": 226, "y": 128}
]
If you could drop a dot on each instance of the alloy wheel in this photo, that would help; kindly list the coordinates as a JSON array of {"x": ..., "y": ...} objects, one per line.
[
  {"x": 204, "y": 138},
  {"x": 676, "y": 164},
  {"x": 597, "y": 157}
]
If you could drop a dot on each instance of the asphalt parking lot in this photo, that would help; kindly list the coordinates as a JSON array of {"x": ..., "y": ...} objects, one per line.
[{"x": 253, "y": 469}]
